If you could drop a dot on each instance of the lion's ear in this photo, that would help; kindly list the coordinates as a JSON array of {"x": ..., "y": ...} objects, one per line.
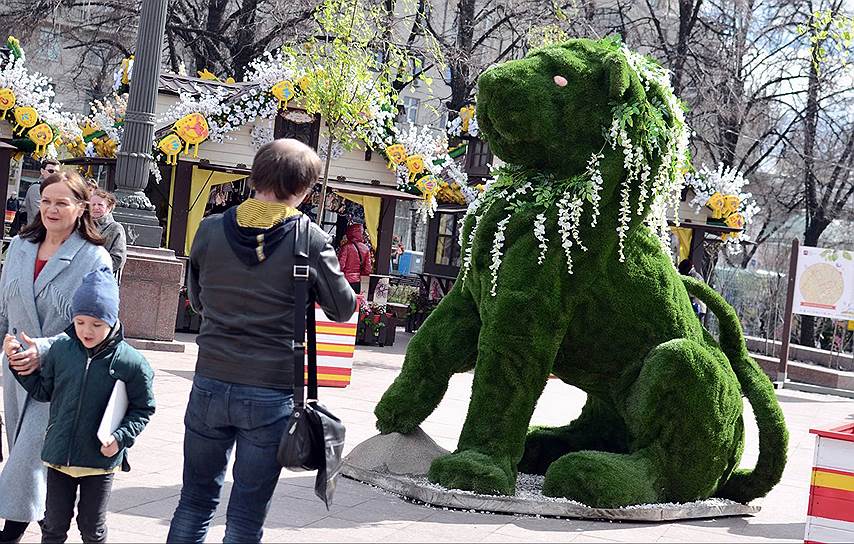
[{"x": 618, "y": 75}]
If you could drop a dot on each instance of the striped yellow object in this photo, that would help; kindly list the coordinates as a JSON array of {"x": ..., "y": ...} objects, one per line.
[
  {"x": 340, "y": 331},
  {"x": 336, "y": 348},
  {"x": 330, "y": 377},
  {"x": 833, "y": 480}
]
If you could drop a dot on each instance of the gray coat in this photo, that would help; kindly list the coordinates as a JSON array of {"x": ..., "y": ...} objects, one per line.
[
  {"x": 31, "y": 201},
  {"x": 41, "y": 309},
  {"x": 115, "y": 241}
]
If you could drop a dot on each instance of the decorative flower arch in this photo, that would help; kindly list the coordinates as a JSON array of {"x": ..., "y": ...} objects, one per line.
[{"x": 27, "y": 104}]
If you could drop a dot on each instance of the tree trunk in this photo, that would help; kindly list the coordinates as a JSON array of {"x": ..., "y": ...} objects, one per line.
[
  {"x": 460, "y": 70},
  {"x": 216, "y": 14},
  {"x": 810, "y": 130},
  {"x": 688, "y": 10},
  {"x": 732, "y": 112},
  {"x": 244, "y": 50},
  {"x": 322, "y": 207},
  {"x": 815, "y": 223}
]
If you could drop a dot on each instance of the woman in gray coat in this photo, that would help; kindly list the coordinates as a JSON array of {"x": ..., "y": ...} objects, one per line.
[
  {"x": 102, "y": 204},
  {"x": 44, "y": 266}
]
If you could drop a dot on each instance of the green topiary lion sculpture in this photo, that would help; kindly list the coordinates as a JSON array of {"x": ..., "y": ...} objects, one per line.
[{"x": 563, "y": 273}]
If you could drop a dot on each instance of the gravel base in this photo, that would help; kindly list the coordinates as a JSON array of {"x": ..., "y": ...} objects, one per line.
[{"x": 529, "y": 487}]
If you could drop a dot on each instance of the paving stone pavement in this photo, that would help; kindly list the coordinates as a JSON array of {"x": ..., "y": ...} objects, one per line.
[{"x": 143, "y": 500}]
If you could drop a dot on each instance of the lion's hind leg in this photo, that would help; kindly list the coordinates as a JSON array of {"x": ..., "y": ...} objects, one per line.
[
  {"x": 599, "y": 427},
  {"x": 684, "y": 416}
]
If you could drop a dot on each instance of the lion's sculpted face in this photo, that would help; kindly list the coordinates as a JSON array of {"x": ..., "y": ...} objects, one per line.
[{"x": 548, "y": 111}]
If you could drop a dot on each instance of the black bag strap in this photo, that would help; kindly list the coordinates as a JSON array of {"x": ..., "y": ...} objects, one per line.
[
  {"x": 303, "y": 318},
  {"x": 359, "y": 253}
]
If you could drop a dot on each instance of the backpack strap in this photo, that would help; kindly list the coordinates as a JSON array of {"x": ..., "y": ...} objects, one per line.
[{"x": 304, "y": 321}]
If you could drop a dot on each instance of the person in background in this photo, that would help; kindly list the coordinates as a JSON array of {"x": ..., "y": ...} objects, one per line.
[
  {"x": 102, "y": 205},
  {"x": 45, "y": 265},
  {"x": 354, "y": 257},
  {"x": 17, "y": 223},
  {"x": 397, "y": 250},
  {"x": 241, "y": 280},
  {"x": 77, "y": 377},
  {"x": 31, "y": 200},
  {"x": 12, "y": 203},
  {"x": 687, "y": 269}
]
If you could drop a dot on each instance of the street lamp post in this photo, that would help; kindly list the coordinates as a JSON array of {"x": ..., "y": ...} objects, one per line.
[
  {"x": 134, "y": 158},
  {"x": 152, "y": 277}
]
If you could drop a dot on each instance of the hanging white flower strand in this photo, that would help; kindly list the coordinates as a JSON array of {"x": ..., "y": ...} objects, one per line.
[
  {"x": 594, "y": 171},
  {"x": 625, "y": 217},
  {"x": 644, "y": 190},
  {"x": 467, "y": 253},
  {"x": 569, "y": 209},
  {"x": 540, "y": 234},
  {"x": 497, "y": 247}
]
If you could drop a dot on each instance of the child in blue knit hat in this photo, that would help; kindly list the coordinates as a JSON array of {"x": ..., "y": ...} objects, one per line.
[{"x": 77, "y": 376}]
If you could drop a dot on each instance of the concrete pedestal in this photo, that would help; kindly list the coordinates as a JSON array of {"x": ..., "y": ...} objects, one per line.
[{"x": 150, "y": 283}]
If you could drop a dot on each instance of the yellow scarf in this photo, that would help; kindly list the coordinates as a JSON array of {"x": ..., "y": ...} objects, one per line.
[{"x": 261, "y": 214}]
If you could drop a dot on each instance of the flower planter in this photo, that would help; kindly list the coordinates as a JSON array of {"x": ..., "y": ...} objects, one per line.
[{"x": 376, "y": 336}]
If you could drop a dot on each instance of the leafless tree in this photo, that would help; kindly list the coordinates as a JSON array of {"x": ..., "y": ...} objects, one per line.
[
  {"x": 96, "y": 33},
  {"x": 224, "y": 36}
]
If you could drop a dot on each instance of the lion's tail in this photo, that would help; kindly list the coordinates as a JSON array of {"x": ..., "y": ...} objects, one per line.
[{"x": 746, "y": 485}]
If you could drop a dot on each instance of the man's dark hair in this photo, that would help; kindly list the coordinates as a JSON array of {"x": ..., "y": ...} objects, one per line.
[
  {"x": 685, "y": 267},
  {"x": 285, "y": 167},
  {"x": 47, "y": 162}
]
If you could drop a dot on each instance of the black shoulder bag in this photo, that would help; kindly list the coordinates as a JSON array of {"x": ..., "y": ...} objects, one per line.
[{"x": 314, "y": 439}]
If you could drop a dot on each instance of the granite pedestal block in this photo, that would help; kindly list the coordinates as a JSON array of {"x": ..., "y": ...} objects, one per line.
[{"x": 150, "y": 282}]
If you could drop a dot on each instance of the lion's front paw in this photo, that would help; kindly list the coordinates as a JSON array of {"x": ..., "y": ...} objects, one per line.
[
  {"x": 395, "y": 416},
  {"x": 473, "y": 471}
]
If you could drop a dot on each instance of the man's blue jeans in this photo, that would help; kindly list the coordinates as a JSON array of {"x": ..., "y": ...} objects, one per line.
[{"x": 219, "y": 415}]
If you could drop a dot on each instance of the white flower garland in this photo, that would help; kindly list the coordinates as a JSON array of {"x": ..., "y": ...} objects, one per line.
[
  {"x": 119, "y": 73},
  {"x": 594, "y": 171},
  {"x": 433, "y": 149},
  {"x": 467, "y": 254},
  {"x": 106, "y": 113},
  {"x": 35, "y": 90},
  {"x": 569, "y": 209},
  {"x": 154, "y": 169},
  {"x": 497, "y": 247}
]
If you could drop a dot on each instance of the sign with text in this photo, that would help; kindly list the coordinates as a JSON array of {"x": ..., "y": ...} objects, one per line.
[{"x": 824, "y": 283}]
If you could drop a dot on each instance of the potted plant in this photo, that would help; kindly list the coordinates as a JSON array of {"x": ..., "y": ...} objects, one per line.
[
  {"x": 188, "y": 320},
  {"x": 419, "y": 308},
  {"x": 376, "y": 326}
]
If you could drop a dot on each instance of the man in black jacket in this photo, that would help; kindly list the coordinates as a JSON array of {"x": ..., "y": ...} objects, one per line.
[{"x": 241, "y": 281}]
